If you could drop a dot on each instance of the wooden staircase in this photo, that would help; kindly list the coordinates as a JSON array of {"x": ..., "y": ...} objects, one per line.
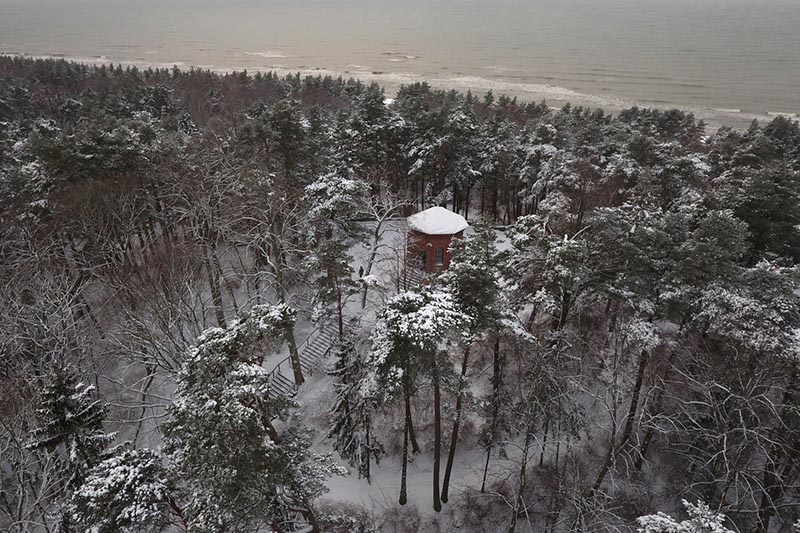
[{"x": 316, "y": 346}]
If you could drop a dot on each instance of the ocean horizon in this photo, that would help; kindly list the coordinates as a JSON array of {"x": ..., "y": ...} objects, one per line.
[{"x": 727, "y": 61}]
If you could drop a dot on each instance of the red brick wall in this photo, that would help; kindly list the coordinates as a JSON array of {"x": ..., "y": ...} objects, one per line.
[{"x": 419, "y": 242}]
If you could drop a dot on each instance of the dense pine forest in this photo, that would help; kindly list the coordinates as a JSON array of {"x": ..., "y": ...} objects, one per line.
[{"x": 615, "y": 345}]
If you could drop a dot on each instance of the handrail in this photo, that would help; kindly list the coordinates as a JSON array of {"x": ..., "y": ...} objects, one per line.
[
  {"x": 276, "y": 369},
  {"x": 305, "y": 341}
]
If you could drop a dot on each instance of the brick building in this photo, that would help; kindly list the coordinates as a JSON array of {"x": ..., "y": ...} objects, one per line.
[{"x": 429, "y": 235}]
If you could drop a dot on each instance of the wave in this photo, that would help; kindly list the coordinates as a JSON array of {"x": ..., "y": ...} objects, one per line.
[
  {"x": 782, "y": 114},
  {"x": 270, "y": 54},
  {"x": 400, "y": 55},
  {"x": 535, "y": 91}
]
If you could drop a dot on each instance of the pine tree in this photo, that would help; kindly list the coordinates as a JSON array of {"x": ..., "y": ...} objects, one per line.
[
  {"x": 701, "y": 520},
  {"x": 128, "y": 492},
  {"x": 239, "y": 472},
  {"x": 335, "y": 284},
  {"x": 406, "y": 341},
  {"x": 473, "y": 280},
  {"x": 71, "y": 421},
  {"x": 352, "y": 411},
  {"x": 334, "y": 201}
]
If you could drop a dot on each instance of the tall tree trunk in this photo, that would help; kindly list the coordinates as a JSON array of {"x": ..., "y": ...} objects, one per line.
[
  {"x": 437, "y": 434},
  {"x": 544, "y": 441},
  {"x": 521, "y": 483},
  {"x": 266, "y": 422},
  {"x": 177, "y": 511},
  {"x": 339, "y": 308},
  {"x": 508, "y": 207},
  {"x": 404, "y": 471},
  {"x": 648, "y": 437},
  {"x": 497, "y": 377},
  {"x": 774, "y": 481},
  {"x": 581, "y": 208},
  {"x": 294, "y": 357},
  {"x": 151, "y": 374},
  {"x": 466, "y": 202},
  {"x": 364, "y": 294},
  {"x": 486, "y": 467},
  {"x": 607, "y": 462},
  {"x": 456, "y": 422},
  {"x": 770, "y": 494},
  {"x": 278, "y": 262},
  {"x": 245, "y": 270},
  {"x": 637, "y": 390},
  {"x": 367, "y": 465},
  {"x": 563, "y": 314},
  {"x": 311, "y": 518},
  {"x": 216, "y": 293},
  {"x": 494, "y": 201},
  {"x": 376, "y": 235},
  {"x": 221, "y": 274},
  {"x": 409, "y": 420},
  {"x": 656, "y": 408},
  {"x": 532, "y": 319}
]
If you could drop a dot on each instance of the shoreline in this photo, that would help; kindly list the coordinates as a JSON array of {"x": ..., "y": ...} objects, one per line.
[{"x": 554, "y": 95}]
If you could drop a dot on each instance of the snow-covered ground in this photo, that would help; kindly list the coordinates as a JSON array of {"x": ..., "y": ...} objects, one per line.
[{"x": 316, "y": 398}]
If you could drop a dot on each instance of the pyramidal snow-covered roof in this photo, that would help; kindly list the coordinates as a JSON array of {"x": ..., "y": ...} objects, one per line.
[{"x": 437, "y": 221}]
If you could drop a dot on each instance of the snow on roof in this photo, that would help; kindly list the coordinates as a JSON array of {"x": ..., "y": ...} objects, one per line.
[{"x": 437, "y": 221}]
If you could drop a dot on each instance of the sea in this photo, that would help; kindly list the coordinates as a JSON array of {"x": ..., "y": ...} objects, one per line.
[{"x": 727, "y": 61}]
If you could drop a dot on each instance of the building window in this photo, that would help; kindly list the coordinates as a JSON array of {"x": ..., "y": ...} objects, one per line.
[{"x": 440, "y": 256}]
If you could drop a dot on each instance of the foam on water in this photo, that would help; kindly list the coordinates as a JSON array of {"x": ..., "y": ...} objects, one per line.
[
  {"x": 270, "y": 54},
  {"x": 782, "y": 114}
]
